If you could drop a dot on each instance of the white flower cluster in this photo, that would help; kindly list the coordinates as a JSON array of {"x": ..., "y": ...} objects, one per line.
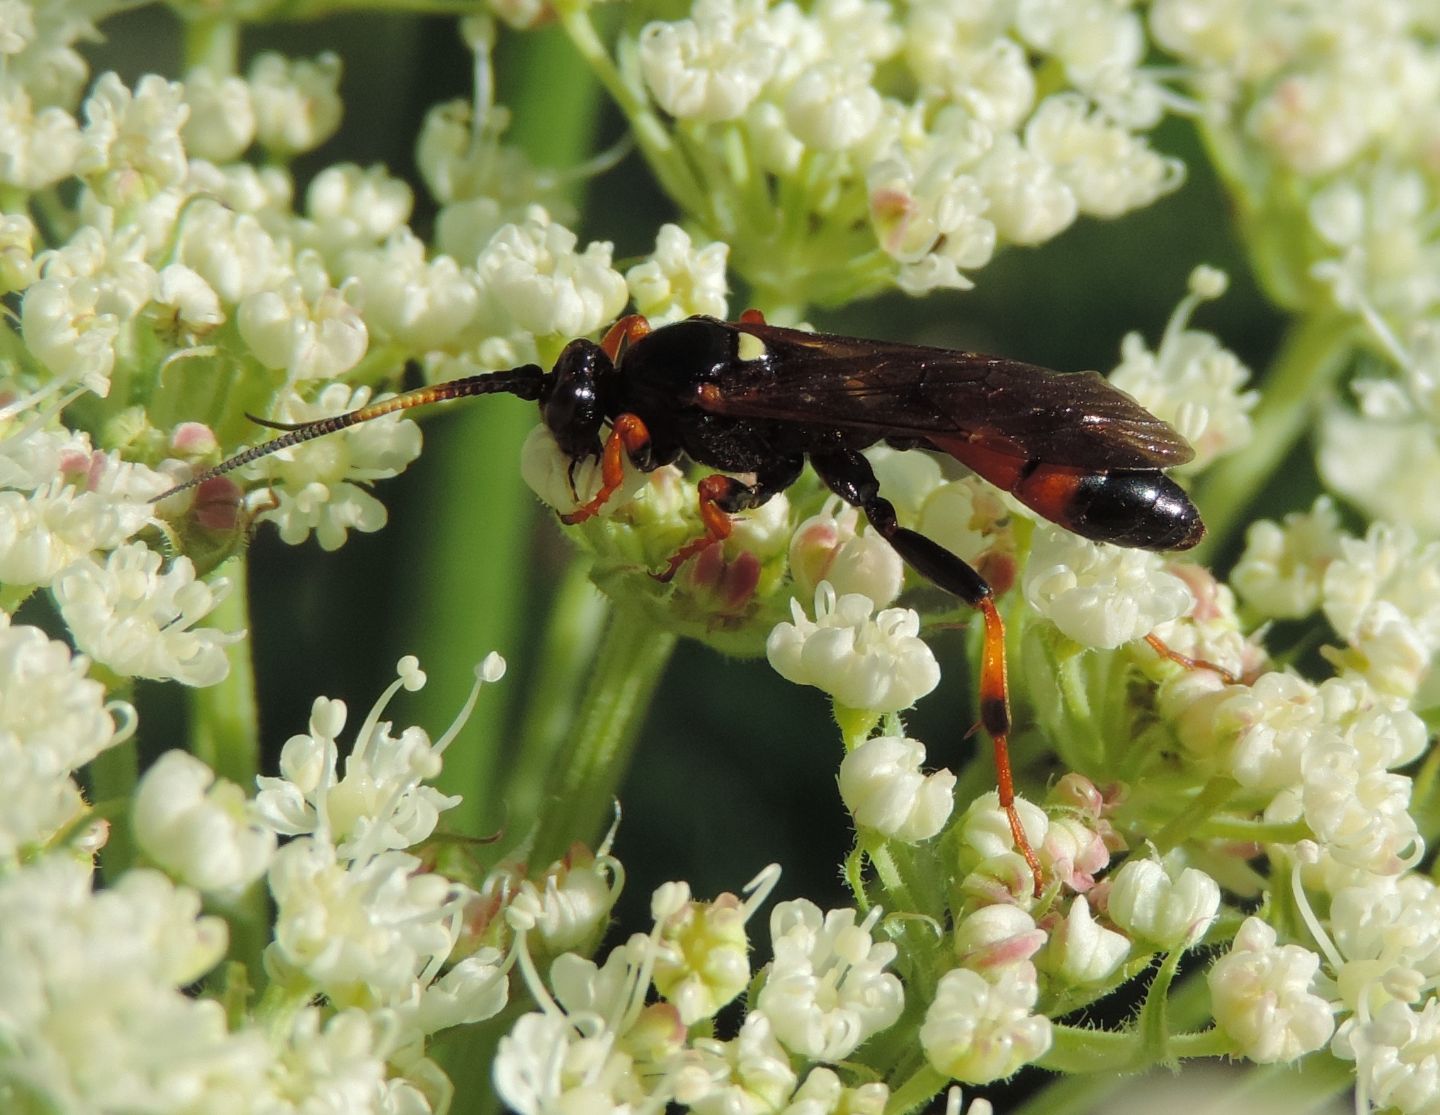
[
  {"x": 97, "y": 980},
  {"x": 187, "y": 263},
  {"x": 53, "y": 720},
  {"x": 926, "y": 119},
  {"x": 597, "y": 1041},
  {"x": 1379, "y": 593},
  {"x": 1328, "y": 114},
  {"x": 1190, "y": 380}
]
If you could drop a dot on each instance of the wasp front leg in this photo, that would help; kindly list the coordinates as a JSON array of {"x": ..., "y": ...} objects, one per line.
[
  {"x": 850, "y": 476},
  {"x": 623, "y": 334},
  {"x": 723, "y": 496},
  {"x": 628, "y": 437}
]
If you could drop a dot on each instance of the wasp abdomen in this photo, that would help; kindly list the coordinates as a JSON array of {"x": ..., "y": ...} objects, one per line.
[{"x": 1142, "y": 508}]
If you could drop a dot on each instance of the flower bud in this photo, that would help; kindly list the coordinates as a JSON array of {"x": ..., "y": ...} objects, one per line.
[
  {"x": 884, "y": 790},
  {"x": 1082, "y": 951},
  {"x": 1169, "y": 913},
  {"x": 994, "y": 937}
]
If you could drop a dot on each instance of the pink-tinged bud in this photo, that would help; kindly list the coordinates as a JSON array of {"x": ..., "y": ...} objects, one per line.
[
  {"x": 996, "y": 937},
  {"x": 1074, "y": 853},
  {"x": 656, "y": 1035},
  {"x": 812, "y": 549},
  {"x": 578, "y": 892},
  {"x": 1078, "y": 792},
  {"x": 829, "y": 547},
  {"x": 728, "y": 585},
  {"x": 193, "y": 439},
  {"x": 1000, "y": 879}
]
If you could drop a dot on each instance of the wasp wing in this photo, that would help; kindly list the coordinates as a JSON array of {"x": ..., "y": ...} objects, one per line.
[{"x": 949, "y": 398}]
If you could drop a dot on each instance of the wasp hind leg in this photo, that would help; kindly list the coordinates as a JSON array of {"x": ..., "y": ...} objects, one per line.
[{"x": 850, "y": 476}]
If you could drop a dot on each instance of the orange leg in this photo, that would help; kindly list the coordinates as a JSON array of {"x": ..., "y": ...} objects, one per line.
[
  {"x": 752, "y": 316},
  {"x": 623, "y": 334},
  {"x": 995, "y": 716},
  {"x": 712, "y": 489},
  {"x": 629, "y": 436},
  {"x": 850, "y": 476},
  {"x": 1159, "y": 647}
]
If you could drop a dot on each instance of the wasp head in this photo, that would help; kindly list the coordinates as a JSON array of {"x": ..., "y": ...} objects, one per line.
[{"x": 573, "y": 400}]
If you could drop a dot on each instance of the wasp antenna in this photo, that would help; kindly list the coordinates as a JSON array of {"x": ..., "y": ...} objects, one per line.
[
  {"x": 524, "y": 382},
  {"x": 272, "y": 424}
]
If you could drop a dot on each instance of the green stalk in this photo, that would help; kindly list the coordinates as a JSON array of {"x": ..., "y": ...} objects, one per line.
[
  {"x": 917, "y": 1091},
  {"x": 113, "y": 775},
  {"x": 1314, "y": 352},
  {"x": 212, "y": 44},
  {"x": 470, "y": 587},
  {"x": 224, "y": 721},
  {"x": 580, "y": 799},
  {"x": 577, "y": 621}
]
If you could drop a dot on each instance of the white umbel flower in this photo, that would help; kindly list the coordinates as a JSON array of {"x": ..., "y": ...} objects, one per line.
[
  {"x": 885, "y": 791},
  {"x": 365, "y": 933},
  {"x": 307, "y": 334},
  {"x": 1261, "y": 996},
  {"x": 130, "y": 137},
  {"x": 53, "y": 720},
  {"x": 1395, "y": 1056},
  {"x": 875, "y": 664},
  {"x": 65, "y": 329},
  {"x": 827, "y": 990},
  {"x": 95, "y": 992},
  {"x": 1099, "y": 595},
  {"x": 711, "y": 66},
  {"x": 539, "y": 282},
  {"x": 1081, "y": 950},
  {"x": 1191, "y": 380},
  {"x": 978, "y": 1031},
  {"x": 832, "y": 105},
  {"x": 356, "y": 207},
  {"x": 319, "y": 484},
  {"x": 422, "y": 304},
  {"x": 221, "y": 121},
  {"x": 1283, "y": 567},
  {"x": 679, "y": 279},
  {"x": 297, "y": 103},
  {"x": 38, "y": 147},
  {"x": 382, "y": 802},
  {"x": 140, "y": 620},
  {"x": 200, "y": 829}
]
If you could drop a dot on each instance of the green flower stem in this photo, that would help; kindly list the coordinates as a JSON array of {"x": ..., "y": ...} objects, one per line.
[
  {"x": 225, "y": 734},
  {"x": 917, "y": 1091},
  {"x": 1182, "y": 826},
  {"x": 225, "y": 728},
  {"x": 581, "y": 794},
  {"x": 567, "y": 652},
  {"x": 212, "y": 44},
  {"x": 653, "y": 138},
  {"x": 1315, "y": 351},
  {"x": 113, "y": 776}
]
